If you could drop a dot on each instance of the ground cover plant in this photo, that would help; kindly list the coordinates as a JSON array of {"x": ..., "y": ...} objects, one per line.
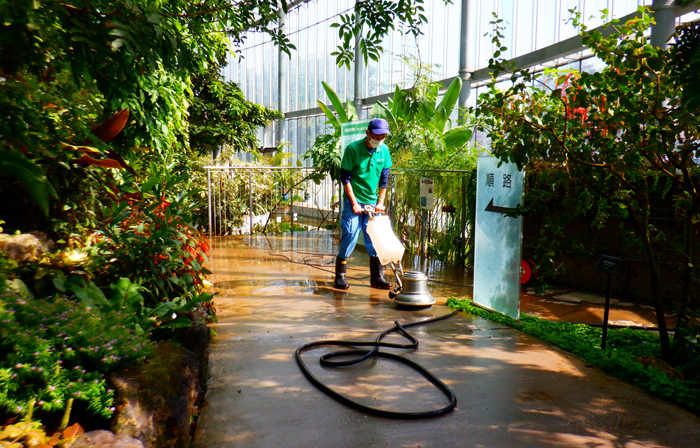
[
  {"x": 55, "y": 349},
  {"x": 626, "y": 349}
]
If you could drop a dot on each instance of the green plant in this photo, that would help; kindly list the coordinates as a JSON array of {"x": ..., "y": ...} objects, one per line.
[
  {"x": 30, "y": 174},
  {"x": 605, "y": 138},
  {"x": 151, "y": 243},
  {"x": 622, "y": 358},
  {"x": 326, "y": 151},
  {"x": 220, "y": 118},
  {"x": 423, "y": 138},
  {"x": 382, "y": 16},
  {"x": 55, "y": 349}
]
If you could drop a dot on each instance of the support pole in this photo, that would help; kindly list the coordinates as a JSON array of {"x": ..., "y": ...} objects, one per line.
[
  {"x": 665, "y": 18},
  {"x": 359, "y": 66},
  {"x": 392, "y": 195},
  {"x": 606, "y": 313},
  {"x": 250, "y": 197},
  {"x": 211, "y": 234},
  {"x": 466, "y": 43},
  {"x": 282, "y": 79},
  {"x": 463, "y": 227},
  {"x": 423, "y": 218}
]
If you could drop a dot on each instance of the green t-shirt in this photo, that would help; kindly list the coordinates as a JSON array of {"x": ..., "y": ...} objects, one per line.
[{"x": 366, "y": 169}]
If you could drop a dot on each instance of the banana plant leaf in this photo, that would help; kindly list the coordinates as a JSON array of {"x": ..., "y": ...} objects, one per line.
[
  {"x": 332, "y": 119},
  {"x": 396, "y": 104},
  {"x": 439, "y": 119},
  {"x": 457, "y": 137},
  {"x": 451, "y": 96},
  {"x": 352, "y": 112},
  {"x": 381, "y": 111},
  {"x": 337, "y": 104}
]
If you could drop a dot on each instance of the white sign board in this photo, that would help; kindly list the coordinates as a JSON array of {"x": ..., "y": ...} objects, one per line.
[
  {"x": 497, "y": 250},
  {"x": 426, "y": 193}
]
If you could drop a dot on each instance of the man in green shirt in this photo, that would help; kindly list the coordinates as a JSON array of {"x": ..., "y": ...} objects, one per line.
[{"x": 363, "y": 170}]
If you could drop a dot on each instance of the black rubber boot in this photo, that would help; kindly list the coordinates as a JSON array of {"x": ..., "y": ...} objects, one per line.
[
  {"x": 341, "y": 267},
  {"x": 376, "y": 271}
]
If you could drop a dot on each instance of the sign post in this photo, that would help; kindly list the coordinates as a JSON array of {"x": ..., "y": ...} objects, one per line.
[
  {"x": 607, "y": 265},
  {"x": 497, "y": 251},
  {"x": 426, "y": 205}
]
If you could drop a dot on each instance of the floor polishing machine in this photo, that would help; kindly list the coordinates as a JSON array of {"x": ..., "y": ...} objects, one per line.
[{"x": 411, "y": 287}]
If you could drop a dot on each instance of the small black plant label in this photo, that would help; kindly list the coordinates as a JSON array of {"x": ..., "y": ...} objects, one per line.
[{"x": 608, "y": 265}]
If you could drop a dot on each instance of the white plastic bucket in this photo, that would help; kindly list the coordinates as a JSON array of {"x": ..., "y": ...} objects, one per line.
[{"x": 388, "y": 246}]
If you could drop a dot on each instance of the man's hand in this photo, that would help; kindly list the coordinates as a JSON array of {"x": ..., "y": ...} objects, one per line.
[
  {"x": 356, "y": 208},
  {"x": 379, "y": 208}
]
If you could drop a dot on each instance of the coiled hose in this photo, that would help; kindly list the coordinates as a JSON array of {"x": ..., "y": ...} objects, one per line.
[{"x": 362, "y": 355}]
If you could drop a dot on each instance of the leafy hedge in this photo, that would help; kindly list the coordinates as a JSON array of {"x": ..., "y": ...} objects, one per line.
[{"x": 626, "y": 346}]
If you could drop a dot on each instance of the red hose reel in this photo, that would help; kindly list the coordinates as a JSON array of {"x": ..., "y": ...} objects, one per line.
[{"x": 528, "y": 271}]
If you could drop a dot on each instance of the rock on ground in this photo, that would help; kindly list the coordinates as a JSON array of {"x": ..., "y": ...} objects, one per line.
[
  {"x": 156, "y": 401},
  {"x": 105, "y": 439}
]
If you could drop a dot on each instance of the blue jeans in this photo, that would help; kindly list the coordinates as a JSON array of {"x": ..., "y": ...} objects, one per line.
[{"x": 350, "y": 230}]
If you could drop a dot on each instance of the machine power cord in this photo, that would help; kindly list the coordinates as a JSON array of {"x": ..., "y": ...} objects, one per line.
[{"x": 362, "y": 355}]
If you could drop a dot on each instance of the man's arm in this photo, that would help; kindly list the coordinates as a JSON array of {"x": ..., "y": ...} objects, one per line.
[
  {"x": 351, "y": 195},
  {"x": 380, "y": 200},
  {"x": 383, "y": 182}
]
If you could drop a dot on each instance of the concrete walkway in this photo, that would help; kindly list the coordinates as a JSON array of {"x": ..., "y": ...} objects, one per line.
[{"x": 512, "y": 390}]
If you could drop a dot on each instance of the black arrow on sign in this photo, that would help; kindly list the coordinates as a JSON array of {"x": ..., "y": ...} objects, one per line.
[{"x": 496, "y": 208}]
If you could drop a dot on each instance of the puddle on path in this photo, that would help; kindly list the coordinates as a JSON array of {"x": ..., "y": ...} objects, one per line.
[{"x": 285, "y": 265}]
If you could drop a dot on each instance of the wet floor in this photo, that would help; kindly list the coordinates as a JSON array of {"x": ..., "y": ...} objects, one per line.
[{"x": 512, "y": 390}]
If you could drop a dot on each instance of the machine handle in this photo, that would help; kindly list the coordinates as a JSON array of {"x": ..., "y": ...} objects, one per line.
[{"x": 371, "y": 211}]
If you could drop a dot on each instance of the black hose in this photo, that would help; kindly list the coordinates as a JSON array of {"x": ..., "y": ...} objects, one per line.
[{"x": 362, "y": 355}]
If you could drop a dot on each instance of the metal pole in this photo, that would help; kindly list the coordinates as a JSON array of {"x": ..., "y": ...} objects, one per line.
[
  {"x": 359, "y": 75},
  {"x": 665, "y": 18},
  {"x": 466, "y": 44},
  {"x": 462, "y": 235},
  {"x": 607, "y": 312},
  {"x": 217, "y": 202},
  {"x": 250, "y": 196},
  {"x": 422, "y": 231},
  {"x": 282, "y": 79},
  {"x": 392, "y": 215},
  {"x": 291, "y": 198},
  {"x": 209, "y": 201},
  {"x": 224, "y": 195}
]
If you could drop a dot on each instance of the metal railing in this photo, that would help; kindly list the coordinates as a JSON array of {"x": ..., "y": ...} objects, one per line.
[
  {"x": 443, "y": 232},
  {"x": 249, "y": 199},
  {"x": 244, "y": 199}
]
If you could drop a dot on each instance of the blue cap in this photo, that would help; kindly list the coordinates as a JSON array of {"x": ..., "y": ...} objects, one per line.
[{"x": 378, "y": 126}]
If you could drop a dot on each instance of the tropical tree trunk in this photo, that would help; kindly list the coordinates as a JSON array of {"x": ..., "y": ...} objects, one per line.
[{"x": 643, "y": 223}]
